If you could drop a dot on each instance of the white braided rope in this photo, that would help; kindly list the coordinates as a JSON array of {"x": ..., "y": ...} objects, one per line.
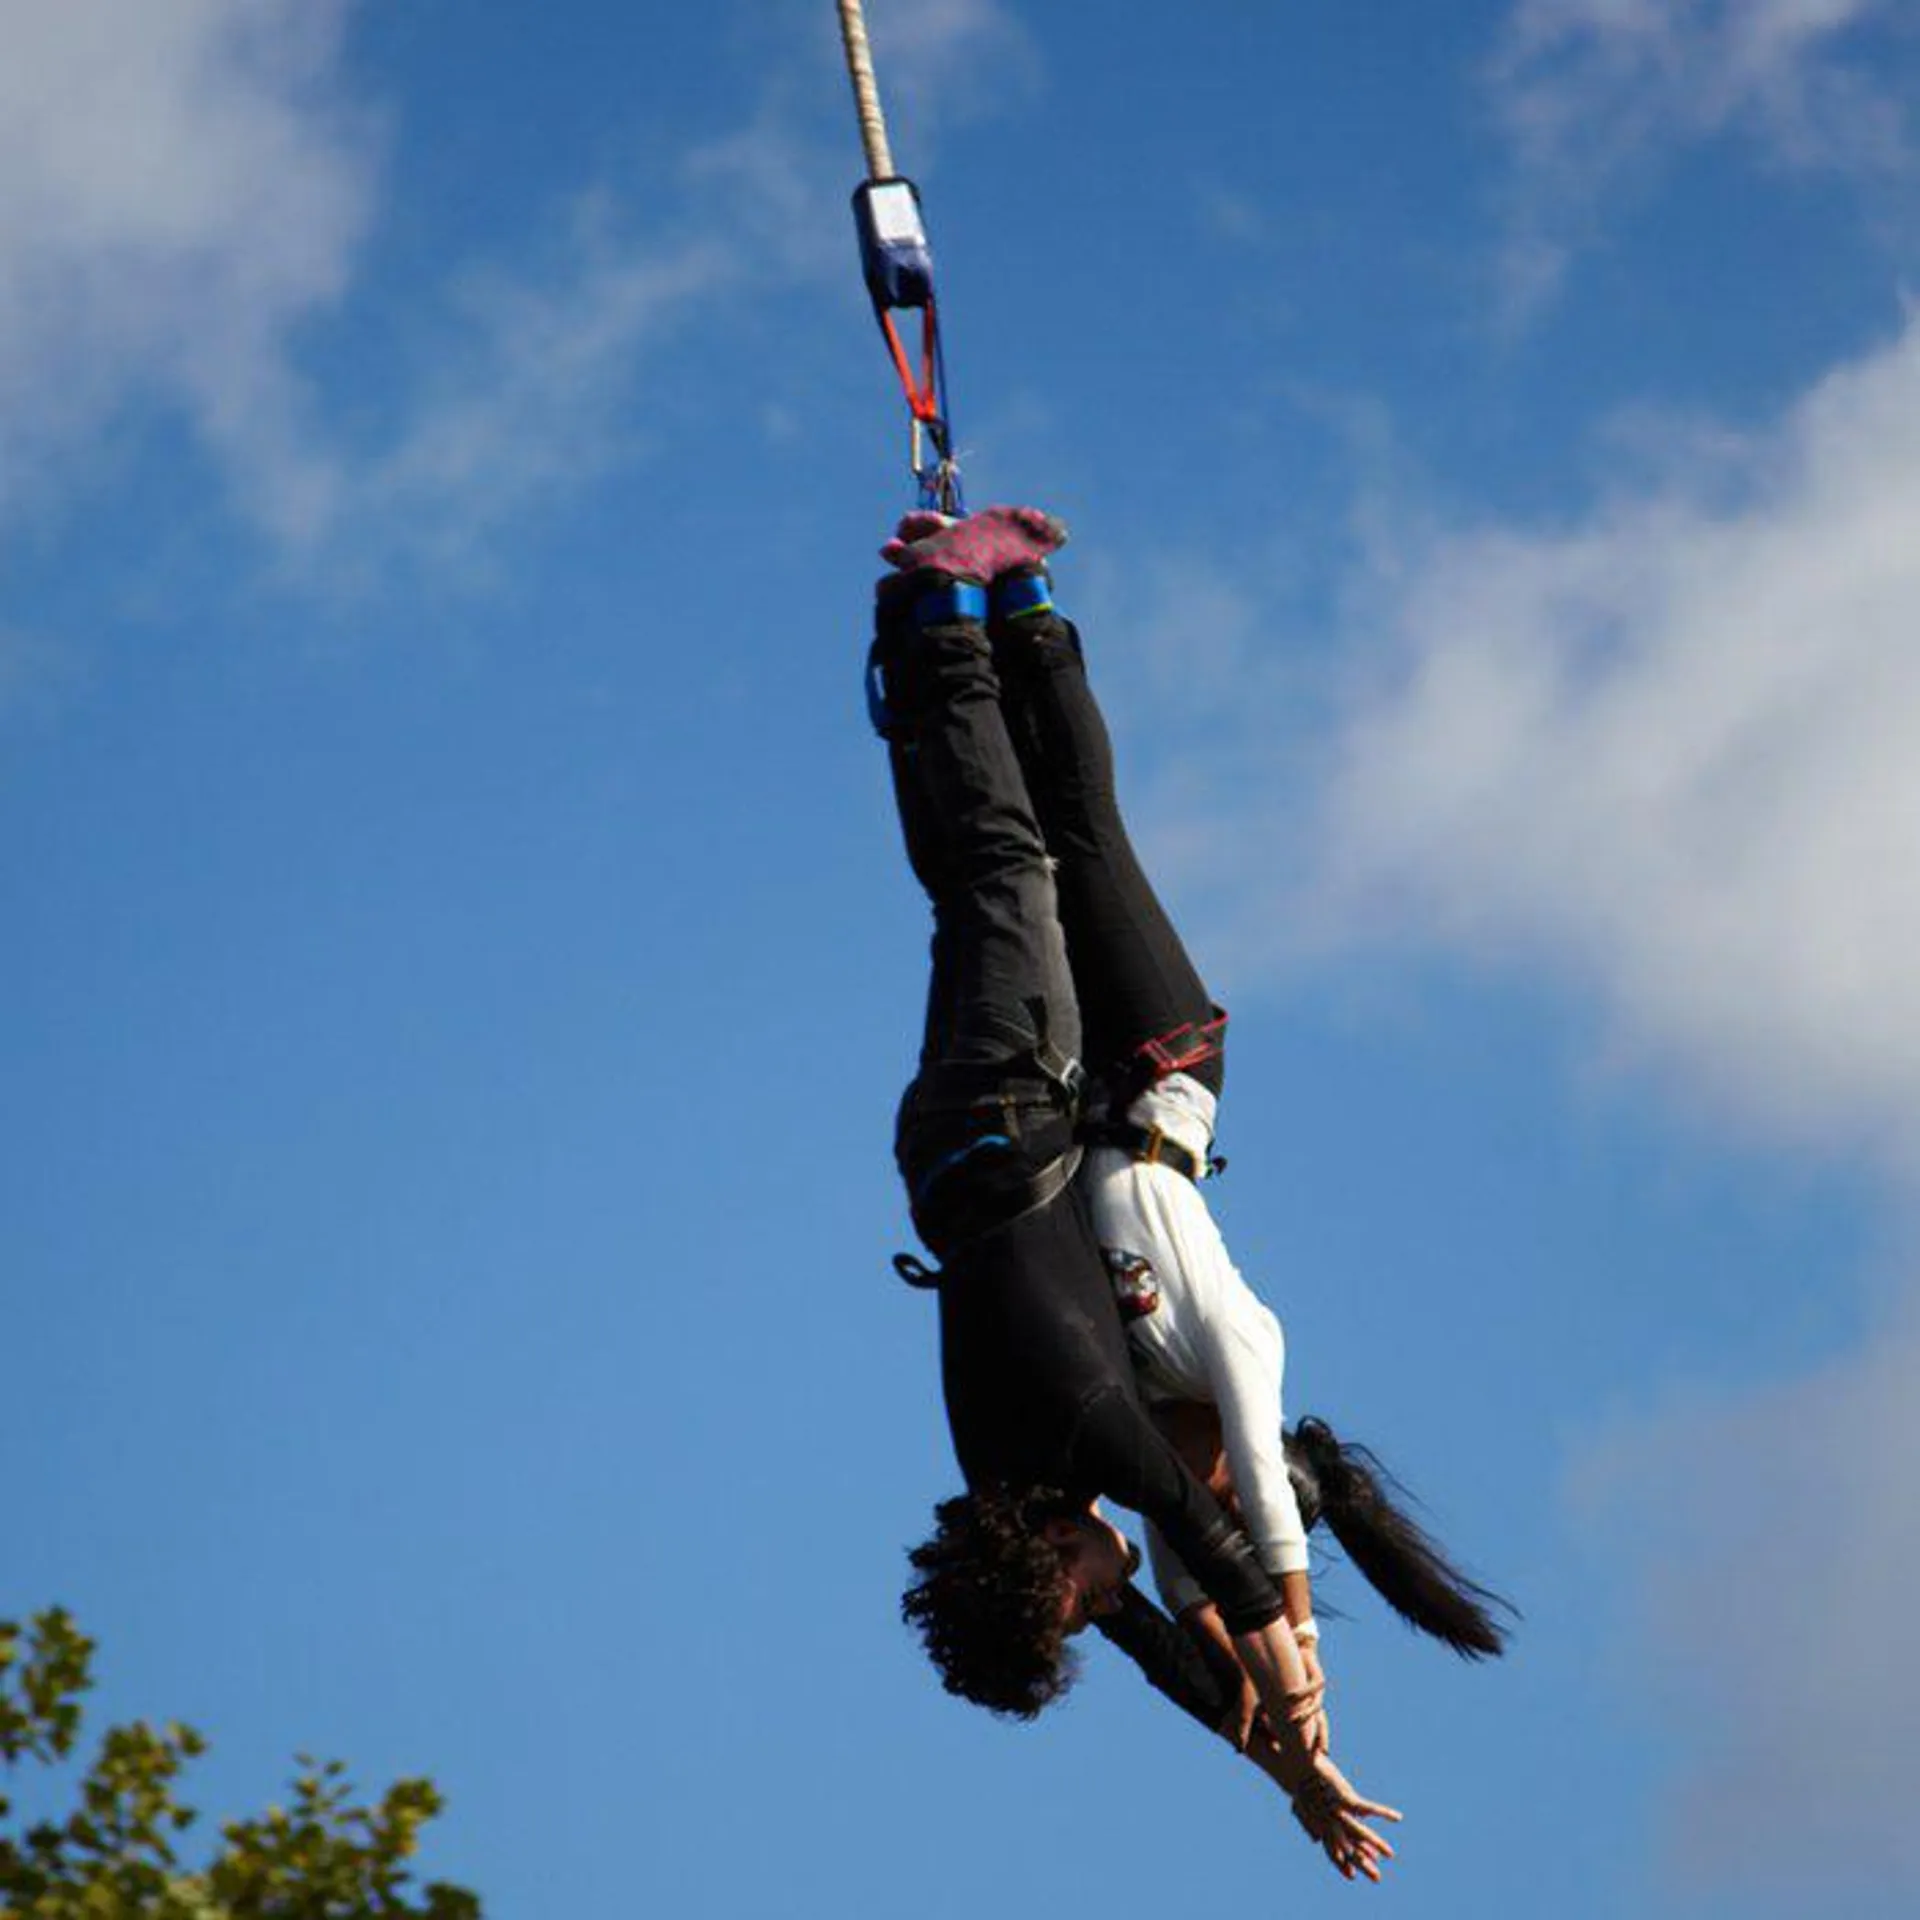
[{"x": 866, "y": 91}]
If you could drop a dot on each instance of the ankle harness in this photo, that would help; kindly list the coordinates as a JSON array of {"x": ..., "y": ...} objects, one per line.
[
  {"x": 949, "y": 604},
  {"x": 1019, "y": 596},
  {"x": 952, "y": 601}
]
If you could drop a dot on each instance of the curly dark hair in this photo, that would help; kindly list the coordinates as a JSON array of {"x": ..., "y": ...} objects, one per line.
[{"x": 989, "y": 1599}]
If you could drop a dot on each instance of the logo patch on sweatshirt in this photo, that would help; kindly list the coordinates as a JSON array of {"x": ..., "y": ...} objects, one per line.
[{"x": 1135, "y": 1288}]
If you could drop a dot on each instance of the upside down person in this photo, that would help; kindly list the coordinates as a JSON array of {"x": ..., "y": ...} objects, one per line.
[
  {"x": 1209, "y": 1356},
  {"x": 1041, "y": 1399}
]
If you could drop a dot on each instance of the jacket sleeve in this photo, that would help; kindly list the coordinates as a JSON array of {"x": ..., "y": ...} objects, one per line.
[
  {"x": 1170, "y": 1660},
  {"x": 1120, "y": 1452},
  {"x": 1240, "y": 1346}
]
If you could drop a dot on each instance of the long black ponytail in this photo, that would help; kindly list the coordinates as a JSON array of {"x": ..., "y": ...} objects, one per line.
[{"x": 1346, "y": 1486}]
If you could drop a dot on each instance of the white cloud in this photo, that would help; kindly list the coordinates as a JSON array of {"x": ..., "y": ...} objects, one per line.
[
  {"x": 1663, "y": 758},
  {"x": 1594, "y": 93},
  {"x": 1669, "y": 753},
  {"x": 180, "y": 187},
  {"x": 940, "y": 61},
  {"x": 183, "y": 190},
  {"x": 530, "y": 396}
]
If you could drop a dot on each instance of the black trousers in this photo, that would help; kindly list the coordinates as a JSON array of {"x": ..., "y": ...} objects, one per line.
[
  {"x": 987, "y": 1124},
  {"x": 1048, "y": 943},
  {"x": 1133, "y": 977}
]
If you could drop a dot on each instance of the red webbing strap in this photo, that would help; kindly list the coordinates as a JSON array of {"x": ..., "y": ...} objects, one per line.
[{"x": 922, "y": 390}]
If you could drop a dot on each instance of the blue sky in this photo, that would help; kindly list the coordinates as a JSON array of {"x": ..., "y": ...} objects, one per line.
[{"x": 458, "y": 968}]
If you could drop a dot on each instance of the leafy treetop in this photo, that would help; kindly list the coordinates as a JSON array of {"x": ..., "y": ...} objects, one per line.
[{"x": 115, "y": 1855}]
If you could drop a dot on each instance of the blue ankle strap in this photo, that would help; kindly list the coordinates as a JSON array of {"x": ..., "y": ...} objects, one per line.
[
  {"x": 942, "y": 606},
  {"x": 1018, "y": 596}
]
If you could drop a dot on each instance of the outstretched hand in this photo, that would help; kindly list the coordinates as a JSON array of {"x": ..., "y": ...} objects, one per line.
[
  {"x": 1335, "y": 1818},
  {"x": 1324, "y": 1802}
]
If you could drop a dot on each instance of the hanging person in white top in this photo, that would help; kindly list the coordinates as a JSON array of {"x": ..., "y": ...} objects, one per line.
[{"x": 1209, "y": 1355}]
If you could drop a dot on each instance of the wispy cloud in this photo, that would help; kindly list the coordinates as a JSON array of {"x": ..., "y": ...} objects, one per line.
[
  {"x": 180, "y": 188},
  {"x": 945, "y": 61},
  {"x": 538, "y": 402},
  {"x": 184, "y": 191},
  {"x": 1596, "y": 94},
  {"x": 1660, "y": 758},
  {"x": 1667, "y": 751},
  {"x": 531, "y": 394}
]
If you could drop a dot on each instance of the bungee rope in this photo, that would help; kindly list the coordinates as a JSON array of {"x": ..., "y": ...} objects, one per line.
[{"x": 898, "y": 266}]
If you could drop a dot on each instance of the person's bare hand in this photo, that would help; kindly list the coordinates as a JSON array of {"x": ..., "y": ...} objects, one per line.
[
  {"x": 1335, "y": 1818},
  {"x": 1324, "y": 1802}
]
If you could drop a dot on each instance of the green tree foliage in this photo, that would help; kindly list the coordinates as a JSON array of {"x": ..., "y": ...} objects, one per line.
[{"x": 114, "y": 1857}]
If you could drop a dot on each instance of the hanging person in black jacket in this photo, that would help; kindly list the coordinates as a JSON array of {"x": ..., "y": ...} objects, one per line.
[{"x": 1041, "y": 1400}]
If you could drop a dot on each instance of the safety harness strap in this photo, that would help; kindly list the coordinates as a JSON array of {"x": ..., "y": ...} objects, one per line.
[
  {"x": 1190, "y": 1045},
  {"x": 987, "y": 1084},
  {"x": 1042, "y": 1187},
  {"x": 968, "y": 1213},
  {"x": 1020, "y": 596},
  {"x": 1151, "y": 1147}
]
